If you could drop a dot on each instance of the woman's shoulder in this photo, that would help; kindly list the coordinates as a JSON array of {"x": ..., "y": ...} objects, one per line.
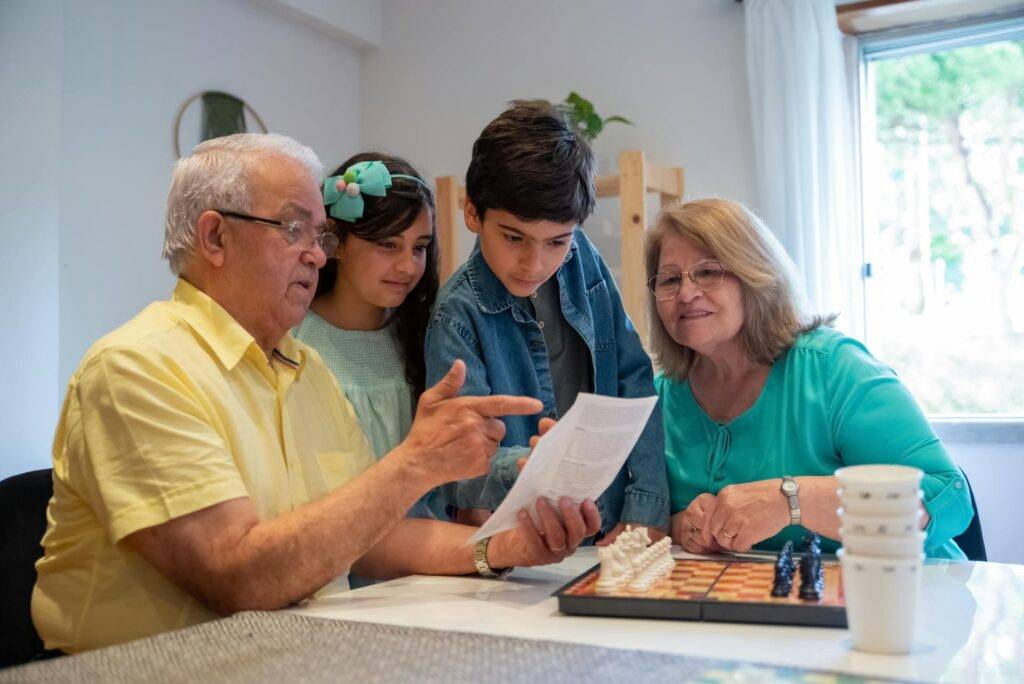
[
  {"x": 823, "y": 339},
  {"x": 834, "y": 352},
  {"x": 667, "y": 386},
  {"x": 827, "y": 342}
]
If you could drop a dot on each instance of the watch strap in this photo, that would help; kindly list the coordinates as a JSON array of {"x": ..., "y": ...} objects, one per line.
[
  {"x": 480, "y": 560},
  {"x": 793, "y": 498}
]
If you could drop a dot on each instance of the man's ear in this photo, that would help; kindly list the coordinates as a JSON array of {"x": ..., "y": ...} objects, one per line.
[
  {"x": 472, "y": 217},
  {"x": 210, "y": 234}
]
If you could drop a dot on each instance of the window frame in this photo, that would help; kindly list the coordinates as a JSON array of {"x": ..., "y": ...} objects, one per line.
[{"x": 902, "y": 42}]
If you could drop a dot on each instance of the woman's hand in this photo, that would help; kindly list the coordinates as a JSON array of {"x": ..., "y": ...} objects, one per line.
[
  {"x": 748, "y": 513},
  {"x": 688, "y": 527}
]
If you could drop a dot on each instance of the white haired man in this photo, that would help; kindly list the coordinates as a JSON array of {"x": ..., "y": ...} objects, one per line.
[{"x": 206, "y": 462}]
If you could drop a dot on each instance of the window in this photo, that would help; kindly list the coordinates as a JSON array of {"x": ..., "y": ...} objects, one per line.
[{"x": 942, "y": 144}]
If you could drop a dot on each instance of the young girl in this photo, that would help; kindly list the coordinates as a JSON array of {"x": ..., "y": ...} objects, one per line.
[{"x": 373, "y": 300}]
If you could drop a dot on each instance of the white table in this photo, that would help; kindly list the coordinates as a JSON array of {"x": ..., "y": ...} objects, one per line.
[{"x": 970, "y": 623}]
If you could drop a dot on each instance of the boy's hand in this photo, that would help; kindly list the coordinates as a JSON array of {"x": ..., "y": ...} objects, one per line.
[
  {"x": 473, "y": 516},
  {"x": 453, "y": 438},
  {"x": 542, "y": 428},
  {"x": 652, "y": 532}
]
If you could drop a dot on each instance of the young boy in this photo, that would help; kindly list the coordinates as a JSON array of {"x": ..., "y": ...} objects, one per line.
[{"x": 535, "y": 311}]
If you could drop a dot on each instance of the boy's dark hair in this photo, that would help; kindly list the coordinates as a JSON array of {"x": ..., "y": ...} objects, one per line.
[
  {"x": 384, "y": 217},
  {"x": 530, "y": 162}
]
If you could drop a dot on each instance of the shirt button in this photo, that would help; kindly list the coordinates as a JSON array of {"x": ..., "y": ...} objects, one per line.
[
  {"x": 536, "y": 345},
  {"x": 540, "y": 324},
  {"x": 959, "y": 484},
  {"x": 533, "y": 296}
]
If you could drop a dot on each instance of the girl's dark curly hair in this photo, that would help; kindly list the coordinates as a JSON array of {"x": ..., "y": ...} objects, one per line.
[{"x": 385, "y": 217}]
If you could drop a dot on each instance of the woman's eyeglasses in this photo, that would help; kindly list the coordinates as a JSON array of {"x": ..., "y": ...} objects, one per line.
[{"x": 706, "y": 275}]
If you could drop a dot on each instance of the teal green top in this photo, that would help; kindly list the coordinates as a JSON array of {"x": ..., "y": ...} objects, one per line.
[
  {"x": 369, "y": 368},
  {"x": 826, "y": 403}
]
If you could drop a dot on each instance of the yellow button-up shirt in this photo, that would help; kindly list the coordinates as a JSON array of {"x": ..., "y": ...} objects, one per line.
[{"x": 176, "y": 411}]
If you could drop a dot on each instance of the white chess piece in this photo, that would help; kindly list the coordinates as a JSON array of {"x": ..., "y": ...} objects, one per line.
[
  {"x": 623, "y": 569},
  {"x": 606, "y": 580}
]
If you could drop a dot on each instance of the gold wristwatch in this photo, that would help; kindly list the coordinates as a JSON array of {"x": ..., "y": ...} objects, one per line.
[{"x": 482, "y": 566}]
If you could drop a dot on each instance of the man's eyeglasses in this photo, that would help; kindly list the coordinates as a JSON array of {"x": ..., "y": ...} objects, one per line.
[
  {"x": 294, "y": 232},
  {"x": 706, "y": 275}
]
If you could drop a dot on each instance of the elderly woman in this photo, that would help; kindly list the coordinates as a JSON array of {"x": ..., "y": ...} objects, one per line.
[{"x": 762, "y": 404}]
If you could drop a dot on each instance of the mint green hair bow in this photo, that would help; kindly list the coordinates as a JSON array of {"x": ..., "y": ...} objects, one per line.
[{"x": 344, "y": 193}]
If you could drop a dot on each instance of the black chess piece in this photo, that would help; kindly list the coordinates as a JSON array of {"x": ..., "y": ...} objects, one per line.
[
  {"x": 784, "y": 569},
  {"x": 812, "y": 575},
  {"x": 812, "y": 544}
]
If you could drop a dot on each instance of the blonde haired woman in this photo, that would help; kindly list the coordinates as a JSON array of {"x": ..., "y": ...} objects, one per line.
[{"x": 761, "y": 403}]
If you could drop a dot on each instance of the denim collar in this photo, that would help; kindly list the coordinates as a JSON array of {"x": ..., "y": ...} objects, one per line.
[{"x": 491, "y": 295}]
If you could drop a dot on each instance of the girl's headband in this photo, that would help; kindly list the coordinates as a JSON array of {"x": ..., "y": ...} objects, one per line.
[{"x": 344, "y": 193}]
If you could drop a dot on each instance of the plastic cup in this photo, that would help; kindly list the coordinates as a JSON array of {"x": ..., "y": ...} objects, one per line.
[
  {"x": 881, "y": 601},
  {"x": 880, "y": 480},
  {"x": 863, "y": 503},
  {"x": 896, "y": 525},
  {"x": 876, "y": 546}
]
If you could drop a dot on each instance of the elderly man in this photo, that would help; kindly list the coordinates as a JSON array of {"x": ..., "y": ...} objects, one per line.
[{"x": 206, "y": 462}]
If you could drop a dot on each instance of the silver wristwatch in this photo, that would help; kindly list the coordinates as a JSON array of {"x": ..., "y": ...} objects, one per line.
[
  {"x": 482, "y": 566},
  {"x": 790, "y": 489}
]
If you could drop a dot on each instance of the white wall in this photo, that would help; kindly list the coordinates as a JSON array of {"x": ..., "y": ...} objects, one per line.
[
  {"x": 995, "y": 472},
  {"x": 90, "y": 92},
  {"x": 356, "y": 22},
  {"x": 30, "y": 54},
  {"x": 675, "y": 68},
  {"x": 127, "y": 67}
]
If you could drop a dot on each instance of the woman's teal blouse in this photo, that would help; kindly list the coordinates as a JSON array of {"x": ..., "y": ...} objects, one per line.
[{"x": 826, "y": 403}]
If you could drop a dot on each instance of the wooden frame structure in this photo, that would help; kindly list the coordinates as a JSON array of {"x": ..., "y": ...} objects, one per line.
[{"x": 635, "y": 179}]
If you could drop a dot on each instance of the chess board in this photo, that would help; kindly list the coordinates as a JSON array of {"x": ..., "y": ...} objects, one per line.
[{"x": 719, "y": 591}]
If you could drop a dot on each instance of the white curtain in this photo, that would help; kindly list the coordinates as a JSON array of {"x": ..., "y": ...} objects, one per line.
[{"x": 804, "y": 143}]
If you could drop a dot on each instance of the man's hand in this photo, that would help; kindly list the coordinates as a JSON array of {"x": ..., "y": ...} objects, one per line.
[
  {"x": 653, "y": 533},
  {"x": 747, "y": 514},
  {"x": 548, "y": 541},
  {"x": 453, "y": 438},
  {"x": 689, "y": 526}
]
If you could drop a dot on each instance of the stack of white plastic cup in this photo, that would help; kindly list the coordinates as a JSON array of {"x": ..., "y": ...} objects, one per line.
[{"x": 882, "y": 554}]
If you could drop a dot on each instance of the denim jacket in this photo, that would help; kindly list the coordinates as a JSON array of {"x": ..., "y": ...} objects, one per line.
[{"x": 477, "y": 319}]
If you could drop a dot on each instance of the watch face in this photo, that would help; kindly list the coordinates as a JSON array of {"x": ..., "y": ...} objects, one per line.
[{"x": 789, "y": 487}]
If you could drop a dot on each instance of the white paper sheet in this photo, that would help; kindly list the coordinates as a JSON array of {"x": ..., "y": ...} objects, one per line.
[{"x": 578, "y": 458}]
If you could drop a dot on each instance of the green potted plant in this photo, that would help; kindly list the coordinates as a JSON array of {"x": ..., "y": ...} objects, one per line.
[{"x": 588, "y": 122}]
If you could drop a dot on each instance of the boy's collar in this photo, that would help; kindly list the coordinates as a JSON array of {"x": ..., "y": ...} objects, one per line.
[{"x": 491, "y": 294}]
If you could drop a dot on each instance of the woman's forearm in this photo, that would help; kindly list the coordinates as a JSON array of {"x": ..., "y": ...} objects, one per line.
[{"x": 818, "y": 503}]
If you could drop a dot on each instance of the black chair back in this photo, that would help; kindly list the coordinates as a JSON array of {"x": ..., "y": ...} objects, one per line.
[
  {"x": 971, "y": 540},
  {"x": 23, "y": 501}
]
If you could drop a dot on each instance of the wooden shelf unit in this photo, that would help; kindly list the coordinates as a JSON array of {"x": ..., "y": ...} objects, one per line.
[{"x": 635, "y": 179}]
